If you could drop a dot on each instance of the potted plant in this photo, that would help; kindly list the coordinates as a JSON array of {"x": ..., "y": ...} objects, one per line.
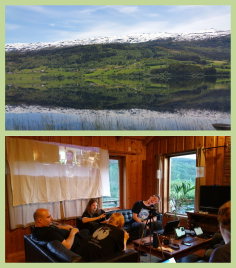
[{"x": 180, "y": 195}]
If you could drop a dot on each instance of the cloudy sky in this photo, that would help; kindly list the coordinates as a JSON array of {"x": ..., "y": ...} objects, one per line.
[{"x": 26, "y": 24}]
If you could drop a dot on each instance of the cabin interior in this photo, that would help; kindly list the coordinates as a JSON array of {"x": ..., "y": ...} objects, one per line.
[{"x": 144, "y": 164}]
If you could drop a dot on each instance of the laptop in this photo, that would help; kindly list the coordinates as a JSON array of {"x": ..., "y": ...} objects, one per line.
[
  {"x": 171, "y": 260},
  {"x": 169, "y": 227},
  {"x": 199, "y": 233},
  {"x": 180, "y": 232}
]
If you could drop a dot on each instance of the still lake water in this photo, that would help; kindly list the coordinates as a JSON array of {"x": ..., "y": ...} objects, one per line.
[{"x": 180, "y": 105}]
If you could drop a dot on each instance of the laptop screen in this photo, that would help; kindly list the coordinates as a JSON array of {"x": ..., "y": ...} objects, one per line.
[
  {"x": 171, "y": 260},
  {"x": 180, "y": 232},
  {"x": 198, "y": 230},
  {"x": 170, "y": 227}
]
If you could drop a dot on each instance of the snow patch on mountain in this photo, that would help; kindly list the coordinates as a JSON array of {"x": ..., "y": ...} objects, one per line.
[{"x": 135, "y": 38}]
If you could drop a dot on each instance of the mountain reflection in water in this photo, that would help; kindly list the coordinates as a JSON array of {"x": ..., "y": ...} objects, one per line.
[{"x": 102, "y": 93}]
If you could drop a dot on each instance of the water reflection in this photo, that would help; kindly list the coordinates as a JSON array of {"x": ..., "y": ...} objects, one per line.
[{"x": 151, "y": 94}]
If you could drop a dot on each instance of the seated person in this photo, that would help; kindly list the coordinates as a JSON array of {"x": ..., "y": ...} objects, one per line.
[
  {"x": 69, "y": 236},
  {"x": 219, "y": 253},
  {"x": 216, "y": 241},
  {"x": 144, "y": 211},
  {"x": 92, "y": 216},
  {"x": 222, "y": 253},
  {"x": 108, "y": 240}
]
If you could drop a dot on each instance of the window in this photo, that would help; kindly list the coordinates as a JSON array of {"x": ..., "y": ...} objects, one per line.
[
  {"x": 115, "y": 177},
  {"x": 182, "y": 175}
]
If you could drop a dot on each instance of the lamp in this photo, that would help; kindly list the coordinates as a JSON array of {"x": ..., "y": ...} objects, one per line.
[
  {"x": 158, "y": 174},
  {"x": 200, "y": 163}
]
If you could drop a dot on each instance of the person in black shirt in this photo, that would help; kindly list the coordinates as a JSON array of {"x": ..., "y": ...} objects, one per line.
[
  {"x": 142, "y": 211},
  {"x": 222, "y": 253},
  {"x": 108, "y": 240},
  {"x": 92, "y": 216},
  {"x": 68, "y": 235}
]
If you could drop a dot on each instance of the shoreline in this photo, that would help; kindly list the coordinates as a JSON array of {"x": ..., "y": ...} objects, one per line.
[
  {"x": 45, "y": 118},
  {"x": 23, "y": 109}
]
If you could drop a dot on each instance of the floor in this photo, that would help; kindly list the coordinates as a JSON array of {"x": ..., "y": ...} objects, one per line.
[{"x": 147, "y": 259}]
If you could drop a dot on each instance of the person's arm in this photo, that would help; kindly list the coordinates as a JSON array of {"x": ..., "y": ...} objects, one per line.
[
  {"x": 126, "y": 237},
  {"x": 68, "y": 242},
  {"x": 62, "y": 226},
  {"x": 136, "y": 218},
  {"x": 135, "y": 212},
  {"x": 87, "y": 219},
  {"x": 66, "y": 227}
]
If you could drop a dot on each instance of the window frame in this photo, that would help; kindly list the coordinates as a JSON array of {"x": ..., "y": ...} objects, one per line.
[
  {"x": 166, "y": 186},
  {"x": 121, "y": 182}
]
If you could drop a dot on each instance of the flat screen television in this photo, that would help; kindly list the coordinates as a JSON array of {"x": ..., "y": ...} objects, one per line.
[{"x": 212, "y": 197}]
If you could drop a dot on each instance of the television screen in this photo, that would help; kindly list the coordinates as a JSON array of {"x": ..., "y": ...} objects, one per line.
[{"x": 213, "y": 196}]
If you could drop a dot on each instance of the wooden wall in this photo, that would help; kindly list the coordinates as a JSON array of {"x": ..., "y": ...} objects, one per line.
[{"x": 217, "y": 160}]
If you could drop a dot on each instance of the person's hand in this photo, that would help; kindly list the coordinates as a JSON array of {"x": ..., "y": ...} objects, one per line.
[
  {"x": 69, "y": 227},
  {"x": 102, "y": 216},
  {"x": 74, "y": 231},
  {"x": 126, "y": 236}
]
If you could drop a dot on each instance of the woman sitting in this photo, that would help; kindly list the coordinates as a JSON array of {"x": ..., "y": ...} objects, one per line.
[
  {"x": 92, "y": 216},
  {"x": 108, "y": 240}
]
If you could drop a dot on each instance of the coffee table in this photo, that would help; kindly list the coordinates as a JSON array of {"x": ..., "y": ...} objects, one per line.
[{"x": 165, "y": 252}]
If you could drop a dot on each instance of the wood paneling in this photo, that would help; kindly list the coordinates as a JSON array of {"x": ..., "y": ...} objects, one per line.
[
  {"x": 227, "y": 162},
  {"x": 189, "y": 143},
  {"x": 217, "y": 159}
]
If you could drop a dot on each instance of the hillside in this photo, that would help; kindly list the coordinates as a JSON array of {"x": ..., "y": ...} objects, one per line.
[
  {"x": 120, "y": 75},
  {"x": 183, "y": 169}
]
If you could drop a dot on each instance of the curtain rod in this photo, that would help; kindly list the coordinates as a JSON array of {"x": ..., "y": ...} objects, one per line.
[{"x": 215, "y": 147}]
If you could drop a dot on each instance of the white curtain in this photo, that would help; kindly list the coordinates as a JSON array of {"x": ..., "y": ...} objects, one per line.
[
  {"x": 22, "y": 216},
  {"x": 200, "y": 162},
  {"x": 75, "y": 208},
  {"x": 104, "y": 169},
  {"x": 159, "y": 176},
  {"x": 40, "y": 176}
]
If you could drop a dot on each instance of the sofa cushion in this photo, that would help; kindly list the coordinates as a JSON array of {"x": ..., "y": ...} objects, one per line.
[
  {"x": 62, "y": 253},
  {"x": 34, "y": 252},
  {"x": 56, "y": 252},
  {"x": 38, "y": 242}
]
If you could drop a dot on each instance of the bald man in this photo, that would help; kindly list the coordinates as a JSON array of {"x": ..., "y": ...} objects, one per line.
[{"x": 66, "y": 234}]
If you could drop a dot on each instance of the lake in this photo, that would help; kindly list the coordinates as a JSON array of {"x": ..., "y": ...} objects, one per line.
[{"x": 125, "y": 105}]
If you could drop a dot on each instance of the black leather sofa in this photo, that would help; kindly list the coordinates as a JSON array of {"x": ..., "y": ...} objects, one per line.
[
  {"x": 54, "y": 251},
  {"x": 127, "y": 213}
]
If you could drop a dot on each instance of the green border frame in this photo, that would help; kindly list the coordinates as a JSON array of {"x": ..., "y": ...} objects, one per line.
[{"x": 4, "y": 133}]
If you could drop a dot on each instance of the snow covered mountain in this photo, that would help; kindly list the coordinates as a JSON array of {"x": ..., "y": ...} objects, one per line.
[{"x": 135, "y": 38}]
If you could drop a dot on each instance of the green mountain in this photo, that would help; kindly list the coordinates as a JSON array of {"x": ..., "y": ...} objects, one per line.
[
  {"x": 183, "y": 169},
  {"x": 114, "y": 76}
]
